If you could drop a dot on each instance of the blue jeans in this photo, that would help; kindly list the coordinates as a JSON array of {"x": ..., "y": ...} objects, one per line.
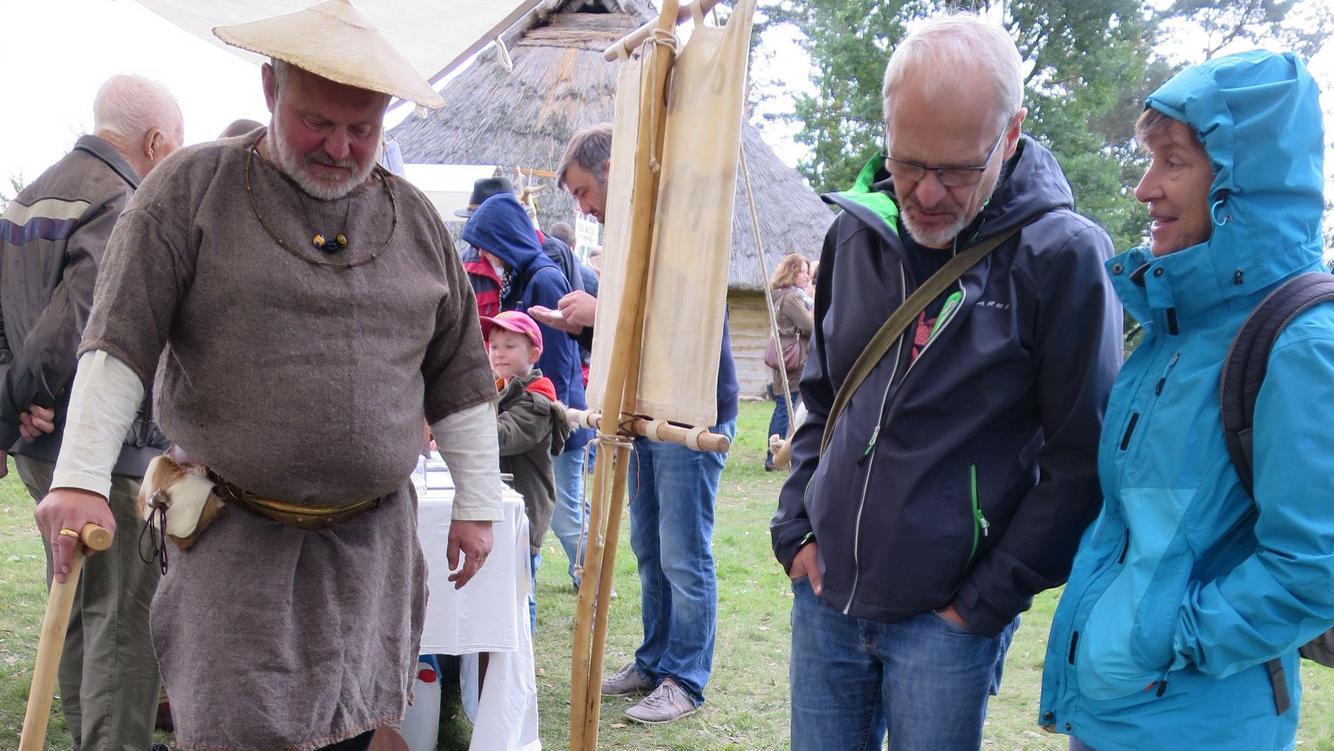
[
  {"x": 778, "y": 424},
  {"x": 924, "y": 680},
  {"x": 672, "y": 491},
  {"x": 567, "y": 518},
  {"x": 1078, "y": 745}
]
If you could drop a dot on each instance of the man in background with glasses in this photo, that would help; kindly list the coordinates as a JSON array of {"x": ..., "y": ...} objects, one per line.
[{"x": 958, "y": 479}]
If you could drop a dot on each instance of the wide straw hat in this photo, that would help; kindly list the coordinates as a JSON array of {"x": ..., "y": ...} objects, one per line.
[{"x": 334, "y": 41}]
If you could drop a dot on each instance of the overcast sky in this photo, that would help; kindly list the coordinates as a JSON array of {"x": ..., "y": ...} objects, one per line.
[{"x": 57, "y": 52}]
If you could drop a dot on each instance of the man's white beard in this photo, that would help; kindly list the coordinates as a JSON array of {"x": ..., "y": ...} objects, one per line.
[
  {"x": 937, "y": 238},
  {"x": 944, "y": 237},
  {"x": 296, "y": 167}
]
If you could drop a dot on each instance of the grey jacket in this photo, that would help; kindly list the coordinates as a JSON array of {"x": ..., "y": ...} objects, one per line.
[{"x": 51, "y": 242}]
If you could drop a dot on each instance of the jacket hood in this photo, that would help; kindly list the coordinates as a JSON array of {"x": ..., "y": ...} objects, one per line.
[
  {"x": 502, "y": 228},
  {"x": 1031, "y": 184},
  {"x": 542, "y": 385},
  {"x": 1258, "y": 115}
]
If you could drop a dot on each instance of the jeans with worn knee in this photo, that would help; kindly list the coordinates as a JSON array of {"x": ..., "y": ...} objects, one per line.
[
  {"x": 924, "y": 681},
  {"x": 672, "y": 492},
  {"x": 567, "y": 518}
]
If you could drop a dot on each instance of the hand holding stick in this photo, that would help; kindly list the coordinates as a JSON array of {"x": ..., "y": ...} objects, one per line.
[{"x": 52, "y": 640}]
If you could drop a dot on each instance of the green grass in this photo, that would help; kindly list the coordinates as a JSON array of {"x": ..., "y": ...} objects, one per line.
[{"x": 747, "y": 699}]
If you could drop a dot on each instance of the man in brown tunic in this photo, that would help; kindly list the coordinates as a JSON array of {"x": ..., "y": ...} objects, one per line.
[{"x": 297, "y": 312}]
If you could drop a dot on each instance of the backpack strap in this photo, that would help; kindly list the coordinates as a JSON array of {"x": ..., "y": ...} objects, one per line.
[
  {"x": 1239, "y": 386},
  {"x": 1248, "y": 361}
]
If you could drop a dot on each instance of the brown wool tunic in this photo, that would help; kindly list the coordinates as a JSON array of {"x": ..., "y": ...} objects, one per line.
[{"x": 302, "y": 382}]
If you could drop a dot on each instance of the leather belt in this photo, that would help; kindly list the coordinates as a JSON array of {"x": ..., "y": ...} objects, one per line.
[{"x": 294, "y": 514}]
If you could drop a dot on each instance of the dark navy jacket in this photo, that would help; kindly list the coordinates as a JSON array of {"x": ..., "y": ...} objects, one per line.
[
  {"x": 502, "y": 228},
  {"x": 967, "y": 476}
]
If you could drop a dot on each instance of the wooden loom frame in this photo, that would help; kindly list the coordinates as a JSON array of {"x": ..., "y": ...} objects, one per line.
[{"x": 614, "y": 438}]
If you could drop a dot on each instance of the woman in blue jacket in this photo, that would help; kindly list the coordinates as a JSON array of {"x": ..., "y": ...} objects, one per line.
[{"x": 1186, "y": 585}]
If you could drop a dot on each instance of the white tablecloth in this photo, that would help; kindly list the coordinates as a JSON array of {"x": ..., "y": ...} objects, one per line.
[{"x": 490, "y": 614}]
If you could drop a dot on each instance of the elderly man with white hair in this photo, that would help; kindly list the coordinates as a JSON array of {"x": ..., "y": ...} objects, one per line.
[
  {"x": 946, "y": 468},
  {"x": 313, "y": 314},
  {"x": 52, "y": 240}
]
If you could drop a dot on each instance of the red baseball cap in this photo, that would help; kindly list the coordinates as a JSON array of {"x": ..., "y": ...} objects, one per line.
[{"x": 519, "y": 323}]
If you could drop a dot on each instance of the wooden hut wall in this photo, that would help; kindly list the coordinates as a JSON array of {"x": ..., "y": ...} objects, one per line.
[{"x": 750, "y": 336}]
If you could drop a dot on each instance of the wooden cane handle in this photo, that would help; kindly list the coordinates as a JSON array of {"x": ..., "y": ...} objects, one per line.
[
  {"x": 95, "y": 537},
  {"x": 52, "y": 642}
]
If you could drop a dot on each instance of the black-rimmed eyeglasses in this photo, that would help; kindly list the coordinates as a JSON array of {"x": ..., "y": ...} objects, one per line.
[{"x": 950, "y": 177}]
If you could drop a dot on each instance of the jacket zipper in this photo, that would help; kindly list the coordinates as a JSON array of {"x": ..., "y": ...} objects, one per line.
[
  {"x": 980, "y": 523},
  {"x": 869, "y": 454},
  {"x": 1162, "y": 380}
]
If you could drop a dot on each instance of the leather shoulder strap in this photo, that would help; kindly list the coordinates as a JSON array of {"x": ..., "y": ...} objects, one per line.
[{"x": 901, "y": 318}]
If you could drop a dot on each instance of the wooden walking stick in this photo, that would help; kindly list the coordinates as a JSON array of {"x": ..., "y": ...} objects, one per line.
[{"x": 52, "y": 641}]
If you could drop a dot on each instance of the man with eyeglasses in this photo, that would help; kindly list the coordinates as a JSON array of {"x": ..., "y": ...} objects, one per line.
[{"x": 958, "y": 479}]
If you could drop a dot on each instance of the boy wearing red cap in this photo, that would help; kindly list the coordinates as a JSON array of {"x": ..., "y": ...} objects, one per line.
[{"x": 531, "y": 422}]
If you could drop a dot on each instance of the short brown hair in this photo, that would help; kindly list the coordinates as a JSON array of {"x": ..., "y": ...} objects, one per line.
[
  {"x": 1152, "y": 124},
  {"x": 589, "y": 148}
]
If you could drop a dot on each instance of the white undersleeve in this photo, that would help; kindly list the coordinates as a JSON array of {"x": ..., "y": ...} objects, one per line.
[
  {"x": 468, "y": 442},
  {"x": 102, "y": 406}
]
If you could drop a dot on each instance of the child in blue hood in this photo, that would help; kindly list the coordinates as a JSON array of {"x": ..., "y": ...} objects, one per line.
[
  {"x": 1186, "y": 585},
  {"x": 502, "y": 231}
]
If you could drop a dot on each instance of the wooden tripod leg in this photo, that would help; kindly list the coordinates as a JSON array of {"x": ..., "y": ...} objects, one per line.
[
  {"x": 602, "y": 607},
  {"x": 51, "y": 643},
  {"x": 581, "y": 674}
]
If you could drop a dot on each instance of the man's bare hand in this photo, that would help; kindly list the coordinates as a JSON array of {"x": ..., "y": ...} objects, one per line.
[
  {"x": 950, "y": 614},
  {"x": 473, "y": 540},
  {"x": 553, "y": 318},
  {"x": 70, "y": 508},
  {"x": 4, "y": 463},
  {"x": 574, "y": 313},
  {"x": 35, "y": 421},
  {"x": 579, "y": 308},
  {"x": 807, "y": 564}
]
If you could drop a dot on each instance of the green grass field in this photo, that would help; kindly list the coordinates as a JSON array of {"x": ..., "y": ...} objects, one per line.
[{"x": 747, "y": 700}]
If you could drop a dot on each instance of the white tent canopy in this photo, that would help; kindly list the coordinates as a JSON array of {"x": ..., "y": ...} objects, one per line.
[{"x": 436, "y": 36}]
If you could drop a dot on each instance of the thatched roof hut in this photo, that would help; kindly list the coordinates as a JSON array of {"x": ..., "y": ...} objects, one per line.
[{"x": 559, "y": 83}]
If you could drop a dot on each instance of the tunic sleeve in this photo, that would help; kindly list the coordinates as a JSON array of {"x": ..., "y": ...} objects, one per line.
[
  {"x": 455, "y": 369},
  {"x": 145, "y": 273}
]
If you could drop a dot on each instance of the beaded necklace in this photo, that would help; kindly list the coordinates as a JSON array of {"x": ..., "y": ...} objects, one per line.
[{"x": 254, "y": 205}]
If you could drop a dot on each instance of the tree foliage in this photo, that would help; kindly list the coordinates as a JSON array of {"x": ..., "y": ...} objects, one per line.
[
  {"x": 1089, "y": 66},
  {"x": 16, "y": 184},
  {"x": 1288, "y": 24}
]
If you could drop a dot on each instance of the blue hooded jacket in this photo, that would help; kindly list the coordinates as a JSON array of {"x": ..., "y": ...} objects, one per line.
[
  {"x": 1185, "y": 585},
  {"x": 502, "y": 228}
]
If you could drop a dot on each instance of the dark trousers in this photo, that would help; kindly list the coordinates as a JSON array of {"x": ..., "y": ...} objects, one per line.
[{"x": 359, "y": 743}]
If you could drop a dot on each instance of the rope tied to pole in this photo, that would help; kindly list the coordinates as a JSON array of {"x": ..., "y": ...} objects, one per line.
[
  {"x": 659, "y": 38},
  {"x": 768, "y": 293}
]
